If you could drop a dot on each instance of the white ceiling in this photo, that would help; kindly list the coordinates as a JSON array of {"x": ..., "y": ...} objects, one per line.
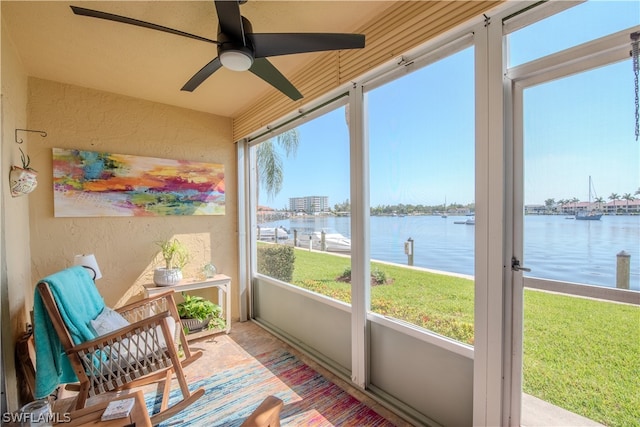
[{"x": 55, "y": 44}]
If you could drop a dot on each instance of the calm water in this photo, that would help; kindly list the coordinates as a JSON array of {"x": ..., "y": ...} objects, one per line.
[{"x": 555, "y": 247}]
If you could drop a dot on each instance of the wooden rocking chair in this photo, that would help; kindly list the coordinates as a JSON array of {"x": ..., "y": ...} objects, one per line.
[{"x": 140, "y": 353}]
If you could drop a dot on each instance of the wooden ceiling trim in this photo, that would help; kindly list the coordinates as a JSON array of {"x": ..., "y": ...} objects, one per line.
[
  {"x": 312, "y": 82},
  {"x": 418, "y": 29},
  {"x": 399, "y": 29}
]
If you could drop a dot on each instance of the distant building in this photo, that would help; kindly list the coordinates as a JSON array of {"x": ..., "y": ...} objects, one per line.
[
  {"x": 309, "y": 204},
  {"x": 534, "y": 209}
]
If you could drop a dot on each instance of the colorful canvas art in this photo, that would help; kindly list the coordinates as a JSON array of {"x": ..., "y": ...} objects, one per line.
[{"x": 91, "y": 184}]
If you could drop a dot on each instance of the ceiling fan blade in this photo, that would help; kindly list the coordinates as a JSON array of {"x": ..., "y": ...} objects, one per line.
[
  {"x": 274, "y": 44},
  {"x": 123, "y": 19},
  {"x": 230, "y": 19},
  {"x": 266, "y": 71},
  {"x": 202, "y": 75}
]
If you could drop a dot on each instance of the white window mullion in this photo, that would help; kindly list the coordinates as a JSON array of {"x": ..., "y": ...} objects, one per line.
[
  {"x": 244, "y": 243},
  {"x": 481, "y": 324},
  {"x": 360, "y": 293},
  {"x": 246, "y": 217},
  {"x": 490, "y": 229},
  {"x": 513, "y": 345}
]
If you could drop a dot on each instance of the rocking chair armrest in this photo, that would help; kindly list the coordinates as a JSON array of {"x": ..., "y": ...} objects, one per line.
[
  {"x": 265, "y": 415},
  {"x": 144, "y": 301},
  {"x": 121, "y": 334}
]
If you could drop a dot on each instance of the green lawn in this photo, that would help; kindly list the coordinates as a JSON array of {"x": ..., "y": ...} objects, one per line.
[
  {"x": 583, "y": 355},
  {"x": 579, "y": 354}
]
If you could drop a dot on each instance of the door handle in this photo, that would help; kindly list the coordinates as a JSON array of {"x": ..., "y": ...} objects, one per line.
[{"x": 515, "y": 265}]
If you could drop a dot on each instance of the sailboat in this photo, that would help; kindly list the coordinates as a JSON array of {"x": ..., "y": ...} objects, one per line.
[
  {"x": 589, "y": 214},
  {"x": 444, "y": 212}
]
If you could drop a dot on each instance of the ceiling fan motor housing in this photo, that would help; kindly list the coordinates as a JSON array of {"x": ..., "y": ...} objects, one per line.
[{"x": 234, "y": 54}]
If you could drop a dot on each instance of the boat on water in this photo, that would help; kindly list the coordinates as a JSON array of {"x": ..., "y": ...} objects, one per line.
[
  {"x": 333, "y": 241},
  {"x": 444, "y": 212},
  {"x": 469, "y": 221},
  {"x": 272, "y": 233},
  {"x": 589, "y": 214}
]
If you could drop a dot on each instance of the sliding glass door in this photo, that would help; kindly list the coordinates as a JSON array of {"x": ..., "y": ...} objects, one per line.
[{"x": 575, "y": 298}]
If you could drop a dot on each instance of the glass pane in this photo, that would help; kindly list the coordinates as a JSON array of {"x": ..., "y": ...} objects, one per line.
[
  {"x": 581, "y": 158},
  {"x": 303, "y": 224},
  {"x": 579, "y": 24},
  {"x": 421, "y": 132}
]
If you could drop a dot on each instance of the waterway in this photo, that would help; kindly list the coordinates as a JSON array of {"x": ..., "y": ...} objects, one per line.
[{"x": 555, "y": 247}]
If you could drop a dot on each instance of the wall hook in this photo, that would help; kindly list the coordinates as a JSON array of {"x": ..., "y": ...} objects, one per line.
[{"x": 20, "y": 141}]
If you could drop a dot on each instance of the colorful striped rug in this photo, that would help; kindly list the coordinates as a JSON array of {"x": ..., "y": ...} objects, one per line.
[{"x": 309, "y": 398}]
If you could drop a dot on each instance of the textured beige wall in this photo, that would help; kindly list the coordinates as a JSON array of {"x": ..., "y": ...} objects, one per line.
[
  {"x": 15, "y": 273},
  {"x": 125, "y": 248}
]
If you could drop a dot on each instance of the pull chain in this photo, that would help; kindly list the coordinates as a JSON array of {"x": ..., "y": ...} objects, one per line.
[{"x": 635, "y": 53}]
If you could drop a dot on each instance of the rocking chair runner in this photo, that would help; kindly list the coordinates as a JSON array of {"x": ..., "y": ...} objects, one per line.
[{"x": 141, "y": 353}]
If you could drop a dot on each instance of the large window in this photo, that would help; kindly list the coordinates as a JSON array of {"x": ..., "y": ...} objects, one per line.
[
  {"x": 576, "y": 25},
  {"x": 437, "y": 129},
  {"x": 303, "y": 222},
  {"x": 421, "y": 133},
  {"x": 580, "y": 169}
]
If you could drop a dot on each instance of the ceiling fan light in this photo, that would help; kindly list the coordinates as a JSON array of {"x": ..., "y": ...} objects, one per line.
[{"x": 236, "y": 60}]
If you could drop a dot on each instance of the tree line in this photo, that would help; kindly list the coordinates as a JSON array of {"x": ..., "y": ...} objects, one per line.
[
  {"x": 614, "y": 197},
  {"x": 271, "y": 175},
  {"x": 409, "y": 209}
]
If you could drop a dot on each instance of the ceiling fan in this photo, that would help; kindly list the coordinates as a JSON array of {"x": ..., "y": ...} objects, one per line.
[{"x": 240, "y": 49}]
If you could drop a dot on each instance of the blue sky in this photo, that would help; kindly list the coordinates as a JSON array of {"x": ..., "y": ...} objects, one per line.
[{"x": 421, "y": 127}]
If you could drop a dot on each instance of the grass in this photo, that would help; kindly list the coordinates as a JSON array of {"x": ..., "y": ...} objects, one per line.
[
  {"x": 580, "y": 354},
  {"x": 440, "y": 303},
  {"x": 583, "y": 355}
]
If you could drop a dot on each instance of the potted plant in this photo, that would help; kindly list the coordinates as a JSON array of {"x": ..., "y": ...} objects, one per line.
[
  {"x": 197, "y": 313},
  {"x": 175, "y": 256},
  {"x": 23, "y": 180}
]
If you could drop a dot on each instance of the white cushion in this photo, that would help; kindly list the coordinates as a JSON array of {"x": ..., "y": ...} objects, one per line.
[
  {"x": 108, "y": 321},
  {"x": 135, "y": 349}
]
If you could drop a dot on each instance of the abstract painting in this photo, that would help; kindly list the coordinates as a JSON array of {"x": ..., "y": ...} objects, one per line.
[{"x": 93, "y": 184}]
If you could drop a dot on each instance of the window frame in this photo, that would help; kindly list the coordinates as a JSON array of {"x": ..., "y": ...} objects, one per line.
[{"x": 490, "y": 356}]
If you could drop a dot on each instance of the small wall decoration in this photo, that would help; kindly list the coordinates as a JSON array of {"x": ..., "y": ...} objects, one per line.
[
  {"x": 92, "y": 184},
  {"x": 23, "y": 180}
]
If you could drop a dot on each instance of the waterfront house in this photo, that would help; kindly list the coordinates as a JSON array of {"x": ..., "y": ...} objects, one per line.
[
  {"x": 622, "y": 207},
  {"x": 98, "y": 86}
]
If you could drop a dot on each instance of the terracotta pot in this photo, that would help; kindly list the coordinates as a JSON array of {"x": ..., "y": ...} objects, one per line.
[
  {"x": 22, "y": 181},
  {"x": 167, "y": 276}
]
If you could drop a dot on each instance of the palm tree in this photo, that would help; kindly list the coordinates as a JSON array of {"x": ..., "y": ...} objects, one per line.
[
  {"x": 549, "y": 204},
  {"x": 562, "y": 202},
  {"x": 599, "y": 200},
  {"x": 628, "y": 197},
  {"x": 614, "y": 197},
  {"x": 269, "y": 160}
]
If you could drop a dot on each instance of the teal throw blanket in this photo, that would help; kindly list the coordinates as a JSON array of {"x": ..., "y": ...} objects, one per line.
[{"x": 79, "y": 302}]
